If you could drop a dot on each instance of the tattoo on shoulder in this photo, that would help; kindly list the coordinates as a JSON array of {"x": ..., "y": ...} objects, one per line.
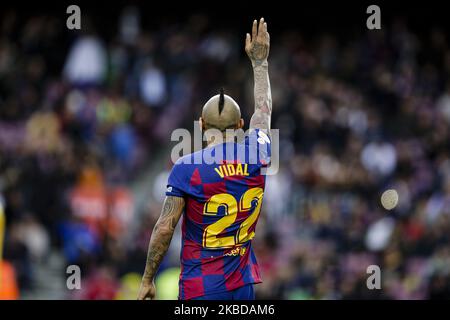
[{"x": 171, "y": 210}]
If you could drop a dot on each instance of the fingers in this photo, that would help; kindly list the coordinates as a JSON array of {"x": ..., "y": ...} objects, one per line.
[
  {"x": 247, "y": 41},
  {"x": 262, "y": 30},
  {"x": 254, "y": 29},
  {"x": 259, "y": 32},
  {"x": 266, "y": 34},
  {"x": 261, "y": 27}
]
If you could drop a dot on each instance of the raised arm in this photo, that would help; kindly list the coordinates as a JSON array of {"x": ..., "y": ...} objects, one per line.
[
  {"x": 257, "y": 47},
  {"x": 159, "y": 243}
]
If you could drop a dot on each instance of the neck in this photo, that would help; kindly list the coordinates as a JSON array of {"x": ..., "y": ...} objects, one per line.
[{"x": 226, "y": 138}]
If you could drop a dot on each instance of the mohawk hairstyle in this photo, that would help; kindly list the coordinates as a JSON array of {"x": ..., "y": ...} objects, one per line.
[{"x": 221, "y": 101}]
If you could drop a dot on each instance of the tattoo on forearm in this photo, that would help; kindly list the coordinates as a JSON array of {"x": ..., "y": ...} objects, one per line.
[
  {"x": 162, "y": 234},
  {"x": 263, "y": 96}
]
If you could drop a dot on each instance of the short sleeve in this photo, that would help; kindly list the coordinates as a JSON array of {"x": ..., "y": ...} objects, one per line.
[
  {"x": 176, "y": 184},
  {"x": 259, "y": 147}
]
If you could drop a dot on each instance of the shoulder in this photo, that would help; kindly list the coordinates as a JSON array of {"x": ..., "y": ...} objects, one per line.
[
  {"x": 186, "y": 164},
  {"x": 258, "y": 136},
  {"x": 258, "y": 145},
  {"x": 189, "y": 159}
]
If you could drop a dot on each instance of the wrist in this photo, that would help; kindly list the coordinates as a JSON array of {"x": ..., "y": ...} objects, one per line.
[
  {"x": 147, "y": 278},
  {"x": 260, "y": 63}
]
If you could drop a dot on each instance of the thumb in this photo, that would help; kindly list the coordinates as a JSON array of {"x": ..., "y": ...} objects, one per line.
[{"x": 247, "y": 41}]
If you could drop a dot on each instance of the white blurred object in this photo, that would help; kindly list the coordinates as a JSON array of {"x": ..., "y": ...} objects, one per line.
[
  {"x": 216, "y": 47},
  {"x": 389, "y": 199},
  {"x": 434, "y": 208},
  {"x": 159, "y": 186},
  {"x": 277, "y": 193},
  {"x": 328, "y": 167},
  {"x": 379, "y": 234},
  {"x": 86, "y": 62},
  {"x": 152, "y": 85},
  {"x": 35, "y": 238},
  {"x": 357, "y": 121},
  {"x": 379, "y": 158}
]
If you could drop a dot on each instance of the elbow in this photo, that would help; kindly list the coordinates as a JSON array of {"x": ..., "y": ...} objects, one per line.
[{"x": 162, "y": 231}]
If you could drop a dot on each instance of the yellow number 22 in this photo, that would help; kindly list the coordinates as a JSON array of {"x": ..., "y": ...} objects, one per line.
[{"x": 210, "y": 235}]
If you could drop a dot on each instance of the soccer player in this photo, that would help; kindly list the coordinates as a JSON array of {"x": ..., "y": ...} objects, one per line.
[{"x": 221, "y": 201}]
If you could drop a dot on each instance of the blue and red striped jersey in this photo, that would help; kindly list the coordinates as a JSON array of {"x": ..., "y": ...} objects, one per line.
[{"x": 223, "y": 188}]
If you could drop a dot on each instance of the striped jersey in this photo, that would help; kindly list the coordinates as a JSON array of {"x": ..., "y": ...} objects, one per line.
[{"x": 223, "y": 187}]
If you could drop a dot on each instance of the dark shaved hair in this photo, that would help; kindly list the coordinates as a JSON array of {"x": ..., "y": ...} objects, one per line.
[{"x": 221, "y": 101}]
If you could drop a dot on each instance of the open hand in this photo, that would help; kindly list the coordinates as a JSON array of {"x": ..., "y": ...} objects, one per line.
[{"x": 257, "y": 45}]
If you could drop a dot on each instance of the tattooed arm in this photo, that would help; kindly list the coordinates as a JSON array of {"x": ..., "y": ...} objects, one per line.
[
  {"x": 257, "y": 47},
  {"x": 159, "y": 243}
]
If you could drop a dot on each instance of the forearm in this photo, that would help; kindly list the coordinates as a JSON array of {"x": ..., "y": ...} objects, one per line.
[
  {"x": 157, "y": 249},
  {"x": 162, "y": 235},
  {"x": 262, "y": 94}
]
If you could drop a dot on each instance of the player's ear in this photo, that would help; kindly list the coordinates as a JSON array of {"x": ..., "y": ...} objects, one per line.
[
  {"x": 241, "y": 124},
  {"x": 200, "y": 123}
]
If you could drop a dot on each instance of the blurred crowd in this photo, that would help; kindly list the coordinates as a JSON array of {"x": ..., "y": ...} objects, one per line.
[{"x": 83, "y": 116}]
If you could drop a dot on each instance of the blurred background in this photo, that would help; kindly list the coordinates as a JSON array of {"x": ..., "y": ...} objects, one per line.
[{"x": 85, "y": 123}]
